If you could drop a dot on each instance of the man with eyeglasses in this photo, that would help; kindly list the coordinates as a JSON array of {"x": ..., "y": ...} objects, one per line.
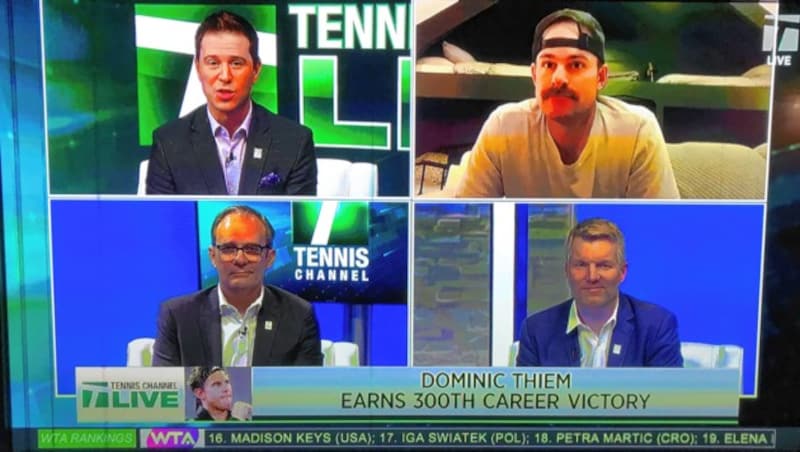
[{"x": 241, "y": 321}]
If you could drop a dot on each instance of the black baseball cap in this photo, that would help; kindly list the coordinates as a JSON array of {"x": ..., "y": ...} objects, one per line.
[{"x": 590, "y": 34}]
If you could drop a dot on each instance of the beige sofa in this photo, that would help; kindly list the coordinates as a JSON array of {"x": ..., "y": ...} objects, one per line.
[
  {"x": 719, "y": 170},
  {"x": 703, "y": 170}
]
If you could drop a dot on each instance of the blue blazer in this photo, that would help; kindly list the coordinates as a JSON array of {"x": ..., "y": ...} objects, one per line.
[{"x": 647, "y": 336}]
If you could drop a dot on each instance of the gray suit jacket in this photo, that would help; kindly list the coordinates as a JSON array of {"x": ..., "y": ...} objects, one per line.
[
  {"x": 184, "y": 158},
  {"x": 190, "y": 333}
]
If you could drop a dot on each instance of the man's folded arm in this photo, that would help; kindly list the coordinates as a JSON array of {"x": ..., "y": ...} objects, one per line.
[
  {"x": 651, "y": 174},
  {"x": 166, "y": 350},
  {"x": 666, "y": 346},
  {"x": 309, "y": 353},
  {"x": 527, "y": 354},
  {"x": 159, "y": 176},
  {"x": 302, "y": 179}
]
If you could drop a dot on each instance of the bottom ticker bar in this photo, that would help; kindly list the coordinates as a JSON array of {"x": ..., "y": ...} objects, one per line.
[
  {"x": 220, "y": 437},
  {"x": 467, "y": 437}
]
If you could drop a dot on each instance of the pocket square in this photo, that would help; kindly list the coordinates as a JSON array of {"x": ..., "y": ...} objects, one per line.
[{"x": 270, "y": 180}]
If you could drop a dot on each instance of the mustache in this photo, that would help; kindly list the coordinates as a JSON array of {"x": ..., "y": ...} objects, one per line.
[{"x": 561, "y": 91}]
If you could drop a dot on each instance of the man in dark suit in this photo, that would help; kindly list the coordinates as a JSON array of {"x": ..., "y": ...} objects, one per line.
[
  {"x": 599, "y": 326},
  {"x": 231, "y": 145},
  {"x": 239, "y": 322}
]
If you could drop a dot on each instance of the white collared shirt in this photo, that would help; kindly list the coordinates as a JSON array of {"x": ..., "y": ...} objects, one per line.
[
  {"x": 231, "y": 147},
  {"x": 594, "y": 347},
  {"x": 236, "y": 329}
]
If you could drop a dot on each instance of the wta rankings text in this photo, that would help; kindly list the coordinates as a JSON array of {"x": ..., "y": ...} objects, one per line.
[
  {"x": 235, "y": 437},
  {"x": 464, "y": 437}
]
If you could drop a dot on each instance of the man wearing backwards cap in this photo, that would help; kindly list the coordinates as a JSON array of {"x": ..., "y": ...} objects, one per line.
[{"x": 569, "y": 141}]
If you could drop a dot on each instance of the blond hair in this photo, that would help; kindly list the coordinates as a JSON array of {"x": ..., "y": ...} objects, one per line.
[{"x": 597, "y": 229}]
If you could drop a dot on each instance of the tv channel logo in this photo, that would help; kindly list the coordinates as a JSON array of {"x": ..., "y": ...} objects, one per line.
[
  {"x": 787, "y": 36},
  {"x": 171, "y": 438},
  {"x": 129, "y": 394},
  {"x": 331, "y": 241},
  {"x": 330, "y": 223},
  {"x": 94, "y": 394}
]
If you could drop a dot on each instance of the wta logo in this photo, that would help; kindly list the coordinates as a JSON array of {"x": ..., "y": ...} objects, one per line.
[
  {"x": 331, "y": 240},
  {"x": 171, "y": 438}
]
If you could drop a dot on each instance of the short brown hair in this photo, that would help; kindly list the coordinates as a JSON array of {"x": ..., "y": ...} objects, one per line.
[
  {"x": 199, "y": 375},
  {"x": 597, "y": 229},
  {"x": 231, "y": 22}
]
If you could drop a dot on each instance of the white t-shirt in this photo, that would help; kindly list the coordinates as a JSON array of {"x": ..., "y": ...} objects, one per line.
[{"x": 625, "y": 157}]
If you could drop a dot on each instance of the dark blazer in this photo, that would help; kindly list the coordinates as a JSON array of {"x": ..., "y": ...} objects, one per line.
[
  {"x": 203, "y": 415},
  {"x": 190, "y": 334},
  {"x": 184, "y": 159},
  {"x": 647, "y": 336}
]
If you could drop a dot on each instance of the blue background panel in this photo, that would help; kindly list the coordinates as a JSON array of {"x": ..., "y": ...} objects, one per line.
[
  {"x": 387, "y": 334},
  {"x": 115, "y": 262},
  {"x": 334, "y": 321},
  {"x": 113, "y": 265},
  {"x": 701, "y": 262}
]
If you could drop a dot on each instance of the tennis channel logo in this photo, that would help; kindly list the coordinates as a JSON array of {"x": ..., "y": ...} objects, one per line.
[
  {"x": 331, "y": 241},
  {"x": 787, "y": 36},
  {"x": 129, "y": 394}
]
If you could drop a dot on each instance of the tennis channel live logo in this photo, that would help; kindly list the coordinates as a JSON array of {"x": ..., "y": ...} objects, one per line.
[
  {"x": 788, "y": 38},
  {"x": 129, "y": 394},
  {"x": 331, "y": 241},
  {"x": 171, "y": 438}
]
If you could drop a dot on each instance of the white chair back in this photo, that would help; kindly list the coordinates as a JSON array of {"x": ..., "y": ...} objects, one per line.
[
  {"x": 327, "y": 352},
  {"x": 141, "y": 189},
  {"x": 335, "y": 177},
  {"x": 332, "y": 177},
  {"x": 711, "y": 356},
  {"x": 140, "y": 352},
  {"x": 731, "y": 357},
  {"x": 345, "y": 354},
  {"x": 513, "y": 351},
  {"x": 363, "y": 180},
  {"x": 696, "y": 354}
]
